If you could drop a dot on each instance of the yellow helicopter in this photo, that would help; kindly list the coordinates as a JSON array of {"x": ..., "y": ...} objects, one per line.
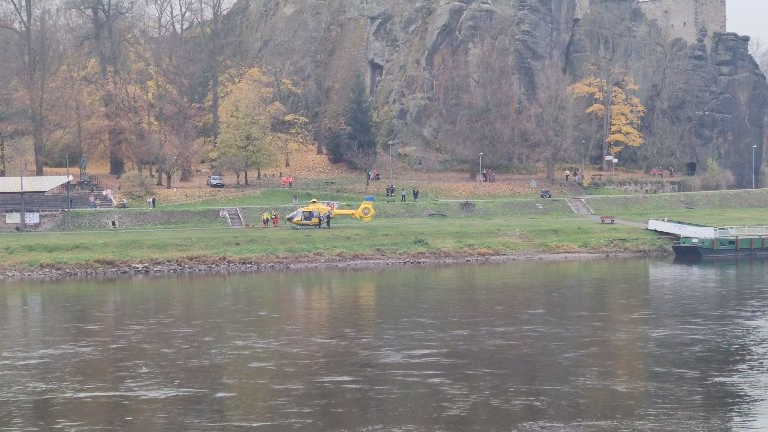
[{"x": 318, "y": 213}]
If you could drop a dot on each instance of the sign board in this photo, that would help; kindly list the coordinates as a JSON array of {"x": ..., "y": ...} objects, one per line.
[{"x": 29, "y": 218}]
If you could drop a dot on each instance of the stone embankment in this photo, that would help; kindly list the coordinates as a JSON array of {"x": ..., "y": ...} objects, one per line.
[{"x": 223, "y": 266}]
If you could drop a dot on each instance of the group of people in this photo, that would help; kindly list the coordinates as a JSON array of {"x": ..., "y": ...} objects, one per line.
[
  {"x": 578, "y": 175},
  {"x": 390, "y": 190},
  {"x": 286, "y": 181},
  {"x": 373, "y": 175},
  {"x": 108, "y": 195},
  {"x": 324, "y": 217},
  {"x": 488, "y": 175},
  {"x": 268, "y": 216}
]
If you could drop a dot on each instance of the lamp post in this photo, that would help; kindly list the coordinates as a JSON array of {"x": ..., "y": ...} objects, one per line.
[
  {"x": 390, "y": 162},
  {"x": 753, "y": 165},
  {"x": 583, "y": 156},
  {"x": 23, "y": 210},
  {"x": 481, "y": 175},
  {"x": 69, "y": 197}
]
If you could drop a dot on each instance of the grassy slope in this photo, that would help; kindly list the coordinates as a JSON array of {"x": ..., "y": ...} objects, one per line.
[
  {"x": 491, "y": 227},
  {"x": 508, "y": 221}
]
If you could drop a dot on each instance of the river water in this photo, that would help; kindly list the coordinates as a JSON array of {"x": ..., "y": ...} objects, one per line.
[{"x": 613, "y": 345}]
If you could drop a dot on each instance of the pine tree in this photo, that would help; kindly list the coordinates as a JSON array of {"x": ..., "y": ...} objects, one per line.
[{"x": 358, "y": 146}]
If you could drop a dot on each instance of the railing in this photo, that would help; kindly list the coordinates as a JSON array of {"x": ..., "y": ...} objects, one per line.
[{"x": 741, "y": 231}]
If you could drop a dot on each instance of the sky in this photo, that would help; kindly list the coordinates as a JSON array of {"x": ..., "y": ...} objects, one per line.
[{"x": 748, "y": 17}]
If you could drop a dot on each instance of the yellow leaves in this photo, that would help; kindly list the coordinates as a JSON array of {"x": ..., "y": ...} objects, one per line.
[
  {"x": 624, "y": 108},
  {"x": 598, "y": 109},
  {"x": 287, "y": 85},
  {"x": 589, "y": 86},
  {"x": 254, "y": 122}
]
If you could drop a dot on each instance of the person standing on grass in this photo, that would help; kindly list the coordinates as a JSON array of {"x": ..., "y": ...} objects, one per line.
[
  {"x": 275, "y": 219},
  {"x": 402, "y": 195},
  {"x": 265, "y": 219}
]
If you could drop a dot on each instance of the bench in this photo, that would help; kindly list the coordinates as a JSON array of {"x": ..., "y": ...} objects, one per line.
[
  {"x": 597, "y": 177},
  {"x": 607, "y": 219}
]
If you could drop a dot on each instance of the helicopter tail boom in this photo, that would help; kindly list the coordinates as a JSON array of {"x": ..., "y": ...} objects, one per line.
[{"x": 364, "y": 212}]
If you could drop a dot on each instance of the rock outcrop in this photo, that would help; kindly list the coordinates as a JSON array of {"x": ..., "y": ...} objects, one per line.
[{"x": 432, "y": 65}]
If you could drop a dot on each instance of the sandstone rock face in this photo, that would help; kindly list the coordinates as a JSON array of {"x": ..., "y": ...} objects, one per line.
[{"x": 431, "y": 65}]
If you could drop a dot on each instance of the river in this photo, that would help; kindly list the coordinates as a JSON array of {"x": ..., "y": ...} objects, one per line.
[{"x": 610, "y": 345}]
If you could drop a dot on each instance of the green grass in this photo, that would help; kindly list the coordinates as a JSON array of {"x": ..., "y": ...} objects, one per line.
[
  {"x": 385, "y": 237},
  {"x": 429, "y": 229}
]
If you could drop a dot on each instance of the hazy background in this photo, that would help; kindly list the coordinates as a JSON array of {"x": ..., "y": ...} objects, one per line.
[{"x": 748, "y": 17}]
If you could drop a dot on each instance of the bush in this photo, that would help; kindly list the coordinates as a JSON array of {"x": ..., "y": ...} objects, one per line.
[
  {"x": 725, "y": 180},
  {"x": 134, "y": 183},
  {"x": 690, "y": 184}
]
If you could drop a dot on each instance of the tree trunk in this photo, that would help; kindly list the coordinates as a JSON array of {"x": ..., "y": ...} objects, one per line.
[
  {"x": 168, "y": 176},
  {"x": 3, "y": 161}
]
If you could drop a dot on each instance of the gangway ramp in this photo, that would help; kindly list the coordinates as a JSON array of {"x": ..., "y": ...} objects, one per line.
[{"x": 682, "y": 229}]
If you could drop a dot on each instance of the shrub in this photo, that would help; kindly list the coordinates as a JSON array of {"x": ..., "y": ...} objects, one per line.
[
  {"x": 134, "y": 183},
  {"x": 725, "y": 180}
]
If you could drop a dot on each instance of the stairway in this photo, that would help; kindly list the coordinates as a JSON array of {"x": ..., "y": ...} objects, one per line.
[
  {"x": 579, "y": 206},
  {"x": 234, "y": 216},
  {"x": 574, "y": 188}
]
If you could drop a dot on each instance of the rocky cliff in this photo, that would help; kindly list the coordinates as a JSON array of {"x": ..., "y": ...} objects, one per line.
[{"x": 452, "y": 78}]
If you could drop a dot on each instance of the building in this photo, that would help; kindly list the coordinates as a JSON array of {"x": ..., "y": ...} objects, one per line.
[{"x": 678, "y": 18}]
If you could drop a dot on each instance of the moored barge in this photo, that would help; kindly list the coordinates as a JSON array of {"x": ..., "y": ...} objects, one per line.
[{"x": 725, "y": 241}]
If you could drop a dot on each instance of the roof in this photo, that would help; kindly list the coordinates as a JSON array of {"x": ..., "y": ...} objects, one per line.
[{"x": 31, "y": 183}]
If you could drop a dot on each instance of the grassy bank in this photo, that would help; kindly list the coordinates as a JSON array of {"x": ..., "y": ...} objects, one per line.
[
  {"x": 429, "y": 229},
  {"x": 435, "y": 237}
]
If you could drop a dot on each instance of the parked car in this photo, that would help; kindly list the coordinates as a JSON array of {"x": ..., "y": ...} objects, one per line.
[{"x": 215, "y": 181}]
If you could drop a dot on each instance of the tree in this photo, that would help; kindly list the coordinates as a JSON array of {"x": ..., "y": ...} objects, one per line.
[
  {"x": 289, "y": 130},
  {"x": 209, "y": 16},
  {"x": 247, "y": 115},
  {"x": 547, "y": 115},
  {"x": 108, "y": 35},
  {"x": 357, "y": 147},
  {"x": 30, "y": 23},
  {"x": 760, "y": 53},
  {"x": 618, "y": 105}
]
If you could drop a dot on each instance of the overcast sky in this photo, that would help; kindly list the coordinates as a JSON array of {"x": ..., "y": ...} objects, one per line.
[{"x": 748, "y": 17}]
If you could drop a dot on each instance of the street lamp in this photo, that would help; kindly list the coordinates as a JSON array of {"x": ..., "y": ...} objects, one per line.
[
  {"x": 481, "y": 175},
  {"x": 390, "y": 162},
  {"x": 23, "y": 210},
  {"x": 753, "y": 165}
]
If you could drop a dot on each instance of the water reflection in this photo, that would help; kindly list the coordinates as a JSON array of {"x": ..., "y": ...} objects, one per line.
[{"x": 610, "y": 345}]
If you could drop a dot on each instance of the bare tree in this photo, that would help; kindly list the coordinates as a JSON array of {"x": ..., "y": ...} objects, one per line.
[
  {"x": 209, "y": 15},
  {"x": 108, "y": 35},
  {"x": 548, "y": 115},
  {"x": 760, "y": 53},
  {"x": 30, "y": 23}
]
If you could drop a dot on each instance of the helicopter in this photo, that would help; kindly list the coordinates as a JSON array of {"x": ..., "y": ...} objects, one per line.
[{"x": 317, "y": 213}]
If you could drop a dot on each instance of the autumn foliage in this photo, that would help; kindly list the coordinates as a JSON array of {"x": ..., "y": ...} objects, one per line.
[{"x": 622, "y": 106}]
